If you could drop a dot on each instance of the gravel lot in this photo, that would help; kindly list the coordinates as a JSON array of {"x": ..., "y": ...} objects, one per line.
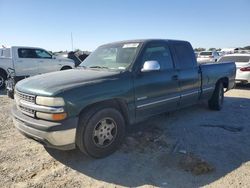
[{"x": 192, "y": 147}]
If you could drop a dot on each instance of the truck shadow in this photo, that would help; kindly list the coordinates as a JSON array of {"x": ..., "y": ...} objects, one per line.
[{"x": 221, "y": 139}]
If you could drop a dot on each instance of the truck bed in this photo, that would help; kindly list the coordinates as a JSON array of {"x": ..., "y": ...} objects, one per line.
[{"x": 212, "y": 72}]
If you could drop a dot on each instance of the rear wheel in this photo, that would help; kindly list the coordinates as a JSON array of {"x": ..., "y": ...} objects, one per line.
[
  {"x": 100, "y": 132},
  {"x": 217, "y": 99}
]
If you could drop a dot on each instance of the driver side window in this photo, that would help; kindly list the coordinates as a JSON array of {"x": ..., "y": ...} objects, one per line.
[
  {"x": 160, "y": 53},
  {"x": 42, "y": 54}
]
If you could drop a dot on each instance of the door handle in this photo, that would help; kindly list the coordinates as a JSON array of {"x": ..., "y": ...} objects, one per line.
[{"x": 175, "y": 77}]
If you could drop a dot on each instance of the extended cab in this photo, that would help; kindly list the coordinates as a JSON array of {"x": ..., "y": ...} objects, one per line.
[
  {"x": 22, "y": 62},
  {"x": 119, "y": 84}
]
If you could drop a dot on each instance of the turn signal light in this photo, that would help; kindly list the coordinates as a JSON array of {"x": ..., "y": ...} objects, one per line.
[
  {"x": 58, "y": 117},
  {"x": 52, "y": 117}
]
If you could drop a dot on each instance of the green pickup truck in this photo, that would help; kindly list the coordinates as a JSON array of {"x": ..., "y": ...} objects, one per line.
[{"x": 118, "y": 85}]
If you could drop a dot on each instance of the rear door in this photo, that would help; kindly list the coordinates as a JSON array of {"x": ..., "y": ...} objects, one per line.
[
  {"x": 25, "y": 62},
  {"x": 188, "y": 73},
  {"x": 157, "y": 91}
]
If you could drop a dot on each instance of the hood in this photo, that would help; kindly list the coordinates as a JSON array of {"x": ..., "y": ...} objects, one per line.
[{"x": 51, "y": 84}]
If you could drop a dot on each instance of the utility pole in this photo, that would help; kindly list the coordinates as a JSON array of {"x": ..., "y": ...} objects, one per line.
[{"x": 72, "y": 46}]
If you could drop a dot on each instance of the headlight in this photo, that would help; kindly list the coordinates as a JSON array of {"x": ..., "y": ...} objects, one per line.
[
  {"x": 50, "y": 101},
  {"x": 53, "y": 117}
]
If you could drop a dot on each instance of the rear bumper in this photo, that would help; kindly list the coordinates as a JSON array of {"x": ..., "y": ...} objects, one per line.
[
  {"x": 58, "y": 135},
  {"x": 242, "y": 76}
]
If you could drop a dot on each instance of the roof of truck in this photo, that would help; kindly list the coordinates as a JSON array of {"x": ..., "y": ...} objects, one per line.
[
  {"x": 144, "y": 41},
  {"x": 26, "y": 47}
]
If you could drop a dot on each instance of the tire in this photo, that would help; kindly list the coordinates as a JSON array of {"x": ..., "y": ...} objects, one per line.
[
  {"x": 100, "y": 132},
  {"x": 217, "y": 99},
  {"x": 3, "y": 78}
]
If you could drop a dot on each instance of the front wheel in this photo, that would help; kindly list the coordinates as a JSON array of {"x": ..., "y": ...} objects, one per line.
[
  {"x": 66, "y": 68},
  {"x": 217, "y": 99},
  {"x": 101, "y": 132}
]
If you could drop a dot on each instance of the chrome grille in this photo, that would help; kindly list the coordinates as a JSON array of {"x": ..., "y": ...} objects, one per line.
[
  {"x": 25, "y": 97},
  {"x": 27, "y": 111}
]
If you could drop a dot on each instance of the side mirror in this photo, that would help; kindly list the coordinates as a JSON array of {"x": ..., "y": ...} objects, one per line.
[
  {"x": 149, "y": 66},
  {"x": 53, "y": 57}
]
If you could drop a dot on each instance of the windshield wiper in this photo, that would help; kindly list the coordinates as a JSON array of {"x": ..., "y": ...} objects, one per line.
[{"x": 98, "y": 67}]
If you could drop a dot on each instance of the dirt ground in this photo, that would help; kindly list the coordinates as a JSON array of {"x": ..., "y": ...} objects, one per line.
[{"x": 193, "y": 147}]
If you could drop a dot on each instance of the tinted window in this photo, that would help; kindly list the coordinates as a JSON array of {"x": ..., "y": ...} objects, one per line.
[
  {"x": 26, "y": 53},
  {"x": 206, "y": 53},
  {"x": 216, "y": 53},
  {"x": 42, "y": 54},
  {"x": 159, "y": 53},
  {"x": 240, "y": 59},
  {"x": 185, "y": 55}
]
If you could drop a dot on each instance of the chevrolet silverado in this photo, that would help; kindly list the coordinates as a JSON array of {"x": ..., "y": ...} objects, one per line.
[{"x": 118, "y": 85}]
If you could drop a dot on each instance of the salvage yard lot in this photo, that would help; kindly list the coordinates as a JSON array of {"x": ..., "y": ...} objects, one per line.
[{"x": 189, "y": 148}]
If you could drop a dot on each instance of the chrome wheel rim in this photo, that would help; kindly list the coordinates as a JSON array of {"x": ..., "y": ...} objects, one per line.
[
  {"x": 1, "y": 81},
  {"x": 104, "y": 132}
]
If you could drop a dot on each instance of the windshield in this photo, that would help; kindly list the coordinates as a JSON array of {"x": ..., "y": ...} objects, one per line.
[
  {"x": 112, "y": 56},
  {"x": 206, "y": 53},
  {"x": 239, "y": 59}
]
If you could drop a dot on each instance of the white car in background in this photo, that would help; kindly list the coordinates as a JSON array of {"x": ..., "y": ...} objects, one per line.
[
  {"x": 208, "y": 57},
  {"x": 17, "y": 63},
  {"x": 242, "y": 62}
]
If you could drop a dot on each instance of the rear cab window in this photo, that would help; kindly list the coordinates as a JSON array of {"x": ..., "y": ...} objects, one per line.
[
  {"x": 26, "y": 53},
  {"x": 184, "y": 55}
]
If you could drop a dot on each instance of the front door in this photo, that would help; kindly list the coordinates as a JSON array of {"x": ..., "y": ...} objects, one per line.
[
  {"x": 46, "y": 63},
  {"x": 156, "y": 91}
]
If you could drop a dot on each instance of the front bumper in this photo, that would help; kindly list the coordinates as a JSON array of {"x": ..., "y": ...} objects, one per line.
[{"x": 59, "y": 135}]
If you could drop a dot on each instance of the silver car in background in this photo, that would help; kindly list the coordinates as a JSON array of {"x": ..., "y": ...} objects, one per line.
[
  {"x": 208, "y": 57},
  {"x": 242, "y": 62}
]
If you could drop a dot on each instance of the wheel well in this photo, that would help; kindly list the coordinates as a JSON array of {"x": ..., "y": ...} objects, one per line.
[
  {"x": 66, "y": 67},
  {"x": 224, "y": 81},
  {"x": 3, "y": 71},
  {"x": 118, "y": 104}
]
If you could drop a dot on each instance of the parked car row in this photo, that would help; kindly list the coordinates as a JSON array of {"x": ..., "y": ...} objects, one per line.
[
  {"x": 208, "y": 56},
  {"x": 242, "y": 62}
]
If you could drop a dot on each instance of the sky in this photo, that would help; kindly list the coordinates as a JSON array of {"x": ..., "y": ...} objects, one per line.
[{"x": 49, "y": 23}]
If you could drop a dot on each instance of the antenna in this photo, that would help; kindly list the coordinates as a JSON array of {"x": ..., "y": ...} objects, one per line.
[{"x": 72, "y": 46}]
